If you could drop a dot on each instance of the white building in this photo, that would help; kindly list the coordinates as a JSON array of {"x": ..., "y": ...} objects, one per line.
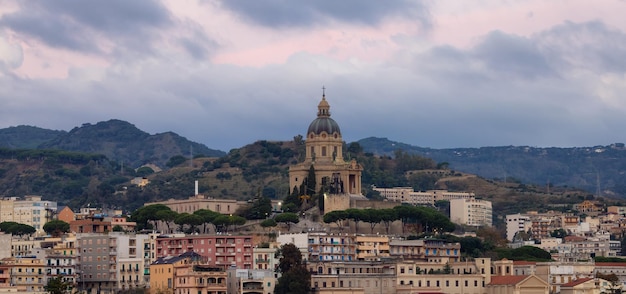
[
  {"x": 471, "y": 212},
  {"x": 407, "y": 195},
  {"x": 516, "y": 223}
]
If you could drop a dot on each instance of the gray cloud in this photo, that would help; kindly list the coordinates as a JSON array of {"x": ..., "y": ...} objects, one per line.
[
  {"x": 512, "y": 55},
  {"x": 506, "y": 90},
  {"x": 590, "y": 45},
  {"x": 77, "y": 25},
  {"x": 286, "y": 13}
]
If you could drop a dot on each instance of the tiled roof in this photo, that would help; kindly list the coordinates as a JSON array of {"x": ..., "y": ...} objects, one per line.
[
  {"x": 174, "y": 259},
  {"x": 506, "y": 280},
  {"x": 576, "y": 282},
  {"x": 612, "y": 264},
  {"x": 524, "y": 262}
]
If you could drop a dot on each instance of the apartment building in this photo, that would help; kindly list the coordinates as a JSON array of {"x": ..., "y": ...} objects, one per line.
[
  {"x": 30, "y": 210},
  {"x": 265, "y": 257},
  {"x": 27, "y": 273},
  {"x": 97, "y": 263},
  {"x": 431, "y": 250},
  {"x": 251, "y": 281},
  {"x": 471, "y": 212},
  {"x": 407, "y": 195},
  {"x": 221, "y": 250},
  {"x": 371, "y": 247},
  {"x": 331, "y": 247},
  {"x": 353, "y": 277}
]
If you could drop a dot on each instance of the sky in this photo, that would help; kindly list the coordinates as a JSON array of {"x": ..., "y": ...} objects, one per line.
[{"x": 440, "y": 74}]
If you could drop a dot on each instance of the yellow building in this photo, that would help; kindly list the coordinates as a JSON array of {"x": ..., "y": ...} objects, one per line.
[
  {"x": 324, "y": 151},
  {"x": 27, "y": 273},
  {"x": 163, "y": 271},
  {"x": 371, "y": 247}
]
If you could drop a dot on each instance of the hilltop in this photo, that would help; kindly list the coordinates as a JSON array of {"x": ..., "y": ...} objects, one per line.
[{"x": 116, "y": 139}]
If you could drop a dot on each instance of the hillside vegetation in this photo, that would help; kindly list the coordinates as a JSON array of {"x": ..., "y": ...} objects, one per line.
[
  {"x": 118, "y": 140},
  {"x": 600, "y": 170}
]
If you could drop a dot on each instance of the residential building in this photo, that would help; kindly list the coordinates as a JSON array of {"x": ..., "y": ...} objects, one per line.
[
  {"x": 27, "y": 273},
  {"x": 331, "y": 247},
  {"x": 353, "y": 277},
  {"x": 200, "y": 201},
  {"x": 371, "y": 247},
  {"x": 30, "y": 210},
  {"x": 430, "y": 197},
  {"x": 471, "y": 212},
  {"x": 92, "y": 224},
  {"x": 265, "y": 257},
  {"x": 97, "y": 263},
  {"x": 431, "y": 250},
  {"x": 163, "y": 271},
  {"x": 252, "y": 281},
  {"x": 221, "y": 250},
  {"x": 516, "y": 223}
]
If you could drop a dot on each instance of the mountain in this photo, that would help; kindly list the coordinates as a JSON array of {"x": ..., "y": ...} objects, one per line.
[
  {"x": 116, "y": 139},
  {"x": 599, "y": 169},
  {"x": 27, "y": 137}
]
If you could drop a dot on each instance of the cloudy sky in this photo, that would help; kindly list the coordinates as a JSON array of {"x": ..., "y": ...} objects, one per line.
[{"x": 439, "y": 74}]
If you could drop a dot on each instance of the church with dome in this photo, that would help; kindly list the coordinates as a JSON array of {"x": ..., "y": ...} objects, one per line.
[{"x": 324, "y": 152}]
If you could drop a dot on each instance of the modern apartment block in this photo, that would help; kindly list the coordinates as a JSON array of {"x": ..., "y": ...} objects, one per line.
[
  {"x": 221, "y": 250},
  {"x": 430, "y": 197},
  {"x": 331, "y": 247},
  {"x": 371, "y": 247},
  {"x": 29, "y": 210},
  {"x": 430, "y": 250},
  {"x": 97, "y": 263},
  {"x": 471, "y": 212}
]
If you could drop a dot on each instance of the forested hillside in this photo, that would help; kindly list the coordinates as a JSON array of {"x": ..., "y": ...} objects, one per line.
[{"x": 600, "y": 170}]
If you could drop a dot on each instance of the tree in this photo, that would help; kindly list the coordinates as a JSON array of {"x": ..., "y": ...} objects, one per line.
[
  {"x": 57, "y": 286},
  {"x": 371, "y": 216},
  {"x": 16, "y": 228},
  {"x": 166, "y": 216},
  {"x": 615, "y": 286},
  {"x": 260, "y": 209},
  {"x": 287, "y": 218},
  {"x": 270, "y": 222},
  {"x": 190, "y": 220},
  {"x": 175, "y": 160},
  {"x": 295, "y": 278},
  {"x": 145, "y": 214},
  {"x": 223, "y": 222},
  {"x": 387, "y": 216},
  {"x": 337, "y": 217},
  {"x": 117, "y": 228},
  {"x": 208, "y": 216},
  {"x": 559, "y": 233},
  {"x": 355, "y": 215},
  {"x": 56, "y": 227}
]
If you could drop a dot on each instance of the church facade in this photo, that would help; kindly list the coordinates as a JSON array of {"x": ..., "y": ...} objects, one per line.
[{"x": 324, "y": 152}]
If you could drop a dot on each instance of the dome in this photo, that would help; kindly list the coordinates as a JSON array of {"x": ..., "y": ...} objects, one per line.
[{"x": 324, "y": 124}]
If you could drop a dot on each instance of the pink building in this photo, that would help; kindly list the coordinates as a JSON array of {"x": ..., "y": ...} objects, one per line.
[{"x": 220, "y": 250}]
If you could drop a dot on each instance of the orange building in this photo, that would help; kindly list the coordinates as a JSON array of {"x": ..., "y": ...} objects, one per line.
[
  {"x": 66, "y": 214},
  {"x": 163, "y": 271},
  {"x": 92, "y": 224}
]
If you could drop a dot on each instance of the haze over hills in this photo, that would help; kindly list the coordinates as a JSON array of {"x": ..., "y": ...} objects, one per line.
[{"x": 599, "y": 170}]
